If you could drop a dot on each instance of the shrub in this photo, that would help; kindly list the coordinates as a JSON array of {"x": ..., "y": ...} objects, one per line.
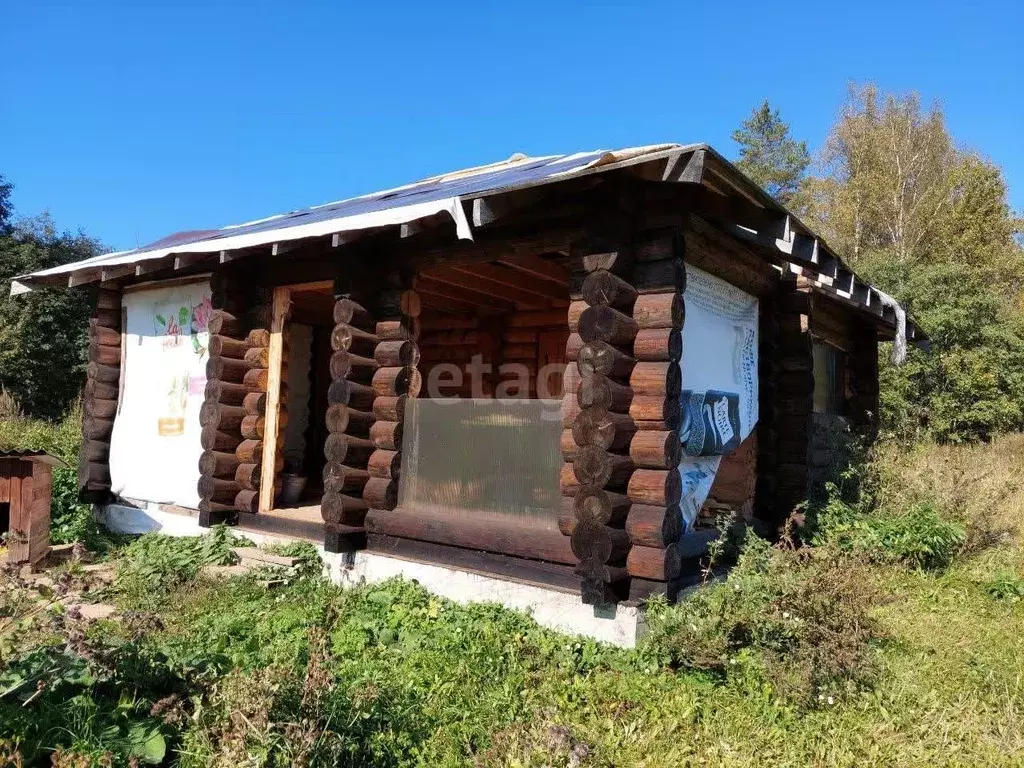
[
  {"x": 918, "y": 537},
  {"x": 1005, "y": 586},
  {"x": 155, "y": 563},
  {"x": 800, "y": 617}
]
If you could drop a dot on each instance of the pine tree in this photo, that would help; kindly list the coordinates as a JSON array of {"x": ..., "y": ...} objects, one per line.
[
  {"x": 5, "y": 202},
  {"x": 769, "y": 155}
]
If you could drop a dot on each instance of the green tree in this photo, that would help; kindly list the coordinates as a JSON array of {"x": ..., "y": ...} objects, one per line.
[
  {"x": 5, "y": 203},
  {"x": 43, "y": 333},
  {"x": 930, "y": 224},
  {"x": 769, "y": 155}
]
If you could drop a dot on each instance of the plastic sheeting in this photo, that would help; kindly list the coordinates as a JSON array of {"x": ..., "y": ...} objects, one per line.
[
  {"x": 483, "y": 458},
  {"x": 155, "y": 446},
  {"x": 719, "y": 375},
  {"x": 440, "y": 196}
]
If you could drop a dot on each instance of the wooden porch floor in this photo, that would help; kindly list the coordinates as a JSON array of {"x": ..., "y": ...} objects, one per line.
[{"x": 300, "y": 521}]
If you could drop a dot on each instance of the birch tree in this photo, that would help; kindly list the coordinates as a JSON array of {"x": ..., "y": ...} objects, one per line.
[{"x": 888, "y": 175}]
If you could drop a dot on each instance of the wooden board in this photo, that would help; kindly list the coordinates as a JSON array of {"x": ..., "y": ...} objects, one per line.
[{"x": 282, "y": 300}]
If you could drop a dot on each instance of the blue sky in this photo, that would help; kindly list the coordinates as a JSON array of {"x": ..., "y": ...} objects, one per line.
[{"x": 134, "y": 122}]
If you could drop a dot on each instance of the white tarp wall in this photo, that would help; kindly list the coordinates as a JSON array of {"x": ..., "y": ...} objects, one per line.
[
  {"x": 155, "y": 446},
  {"x": 719, "y": 373}
]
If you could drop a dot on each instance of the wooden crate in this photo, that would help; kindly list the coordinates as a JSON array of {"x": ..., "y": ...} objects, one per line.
[{"x": 25, "y": 483}]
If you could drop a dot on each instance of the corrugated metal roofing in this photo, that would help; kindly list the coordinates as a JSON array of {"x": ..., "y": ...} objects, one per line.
[
  {"x": 426, "y": 199},
  {"x": 439, "y": 194},
  {"x": 43, "y": 456}
]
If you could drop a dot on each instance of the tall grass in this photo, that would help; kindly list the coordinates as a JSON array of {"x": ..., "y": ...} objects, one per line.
[
  {"x": 980, "y": 486},
  {"x": 18, "y": 432}
]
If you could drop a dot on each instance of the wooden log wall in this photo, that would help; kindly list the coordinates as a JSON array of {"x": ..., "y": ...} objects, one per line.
[
  {"x": 453, "y": 339},
  {"x": 769, "y": 367},
  {"x": 792, "y": 402},
  {"x": 734, "y": 488},
  {"x": 394, "y": 380},
  {"x": 621, "y": 410},
  {"x": 863, "y": 378},
  {"x": 349, "y": 422},
  {"x": 223, "y": 410},
  {"x": 654, "y": 523},
  {"x": 517, "y": 337},
  {"x": 102, "y": 390}
]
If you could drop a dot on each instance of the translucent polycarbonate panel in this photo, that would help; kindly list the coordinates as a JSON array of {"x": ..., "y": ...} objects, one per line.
[{"x": 483, "y": 458}]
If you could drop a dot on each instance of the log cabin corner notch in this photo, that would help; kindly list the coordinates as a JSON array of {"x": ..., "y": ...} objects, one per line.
[{"x": 555, "y": 370}]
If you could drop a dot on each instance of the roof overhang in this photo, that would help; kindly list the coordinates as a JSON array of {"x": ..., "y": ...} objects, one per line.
[{"x": 476, "y": 197}]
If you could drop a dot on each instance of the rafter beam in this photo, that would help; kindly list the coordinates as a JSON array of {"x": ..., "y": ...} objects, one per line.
[
  {"x": 186, "y": 260},
  {"x": 452, "y": 285},
  {"x": 444, "y": 303},
  {"x": 150, "y": 266},
  {"x": 83, "y": 276},
  {"x": 113, "y": 273},
  {"x": 487, "y": 210},
  {"x": 693, "y": 171},
  {"x": 514, "y": 283},
  {"x": 537, "y": 267},
  {"x": 288, "y": 245}
]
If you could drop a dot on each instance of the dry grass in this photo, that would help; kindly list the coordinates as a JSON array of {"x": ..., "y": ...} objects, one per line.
[
  {"x": 9, "y": 406},
  {"x": 980, "y": 486}
]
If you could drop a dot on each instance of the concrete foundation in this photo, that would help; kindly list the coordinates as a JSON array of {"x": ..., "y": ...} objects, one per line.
[{"x": 552, "y": 608}]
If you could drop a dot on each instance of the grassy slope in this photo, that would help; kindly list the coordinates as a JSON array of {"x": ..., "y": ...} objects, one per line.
[
  {"x": 419, "y": 680},
  {"x": 482, "y": 684}
]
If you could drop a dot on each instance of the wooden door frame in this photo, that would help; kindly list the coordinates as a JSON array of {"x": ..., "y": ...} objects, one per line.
[{"x": 280, "y": 307}]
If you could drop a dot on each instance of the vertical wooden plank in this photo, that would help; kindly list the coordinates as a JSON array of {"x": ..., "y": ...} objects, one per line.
[
  {"x": 124, "y": 354},
  {"x": 16, "y": 551},
  {"x": 282, "y": 299},
  {"x": 5, "y": 480},
  {"x": 27, "y": 503},
  {"x": 39, "y": 537}
]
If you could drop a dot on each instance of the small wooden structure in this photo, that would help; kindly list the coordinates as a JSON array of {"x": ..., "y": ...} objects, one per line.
[
  {"x": 575, "y": 264},
  {"x": 25, "y": 482}
]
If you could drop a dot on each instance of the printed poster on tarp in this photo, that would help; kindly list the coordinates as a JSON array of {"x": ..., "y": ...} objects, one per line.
[
  {"x": 719, "y": 374},
  {"x": 155, "y": 446}
]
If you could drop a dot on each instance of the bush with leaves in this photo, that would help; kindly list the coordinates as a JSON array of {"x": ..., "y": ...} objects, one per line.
[
  {"x": 42, "y": 334},
  {"x": 155, "y": 563},
  {"x": 799, "y": 618},
  {"x": 918, "y": 537}
]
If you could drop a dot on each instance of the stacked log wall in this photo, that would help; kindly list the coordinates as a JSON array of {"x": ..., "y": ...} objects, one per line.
[
  {"x": 793, "y": 404},
  {"x": 362, "y": 347},
  {"x": 452, "y": 340},
  {"x": 596, "y": 421},
  {"x": 223, "y": 412},
  {"x": 832, "y": 435},
  {"x": 769, "y": 420},
  {"x": 100, "y": 401},
  {"x": 396, "y": 380},
  {"x": 654, "y": 523}
]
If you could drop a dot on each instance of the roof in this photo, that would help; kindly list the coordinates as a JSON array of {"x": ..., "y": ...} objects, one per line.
[
  {"x": 440, "y": 200},
  {"x": 41, "y": 456},
  {"x": 421, "y": 200}
]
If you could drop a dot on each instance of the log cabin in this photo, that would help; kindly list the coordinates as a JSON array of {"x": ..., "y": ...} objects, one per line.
[{"x": 556, "y": 371}]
